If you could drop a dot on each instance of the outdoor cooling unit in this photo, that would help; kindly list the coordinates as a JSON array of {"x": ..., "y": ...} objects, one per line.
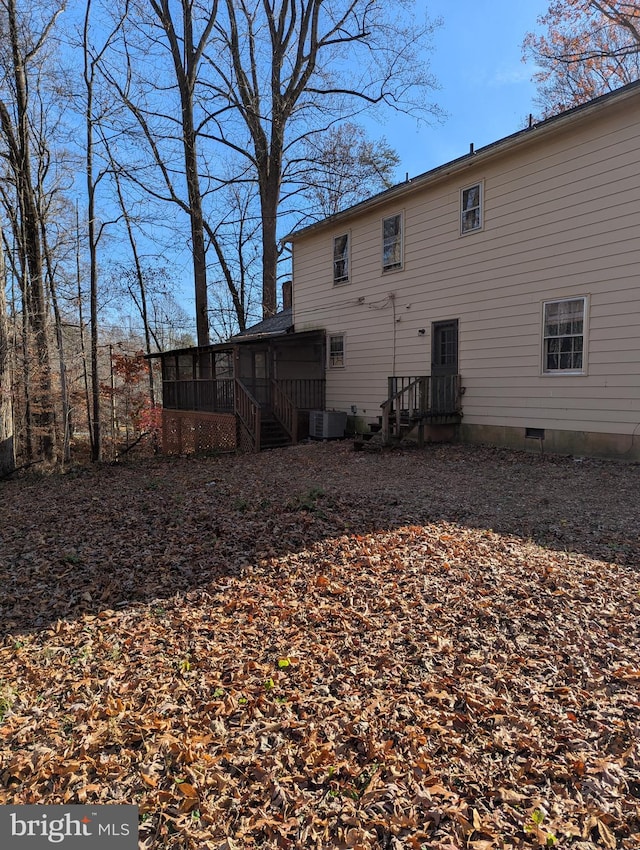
[{"x": 327, "y": 424}]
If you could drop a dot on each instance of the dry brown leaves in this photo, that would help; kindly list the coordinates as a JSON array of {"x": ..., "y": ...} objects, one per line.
[{"x": 316, "y": 648}]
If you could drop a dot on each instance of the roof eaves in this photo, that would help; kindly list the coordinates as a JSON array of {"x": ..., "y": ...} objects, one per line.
[{"x": 528, "y": 134}]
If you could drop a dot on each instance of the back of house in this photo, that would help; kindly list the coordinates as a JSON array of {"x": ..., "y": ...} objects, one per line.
[{"x": 512, "y": 270}]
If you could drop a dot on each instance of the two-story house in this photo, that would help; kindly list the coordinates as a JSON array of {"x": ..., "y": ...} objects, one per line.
[
  {"x": 495, "y": 298},
  {"x": 498, "y": 294}
]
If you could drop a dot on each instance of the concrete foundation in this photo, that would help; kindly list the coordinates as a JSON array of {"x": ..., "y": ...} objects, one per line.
[{"x": 576, "y": 443}]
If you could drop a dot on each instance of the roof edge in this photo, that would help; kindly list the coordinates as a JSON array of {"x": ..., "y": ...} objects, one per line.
[{"x": 460, "y": 163}]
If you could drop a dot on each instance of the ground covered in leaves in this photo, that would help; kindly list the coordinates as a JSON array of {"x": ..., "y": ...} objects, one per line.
[{"x": 322, "y": 648}]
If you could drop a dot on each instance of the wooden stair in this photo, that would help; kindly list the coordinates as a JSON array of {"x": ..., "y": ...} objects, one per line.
[
  {"x": 420, "y": 402},
  {"x": 272, "y": 434}
]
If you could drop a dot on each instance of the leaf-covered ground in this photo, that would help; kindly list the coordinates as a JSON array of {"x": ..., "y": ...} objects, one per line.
[{"x": 322, "y": 648}]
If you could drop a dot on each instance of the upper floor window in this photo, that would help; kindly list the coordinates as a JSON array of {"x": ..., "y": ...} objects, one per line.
[
  {"x": 341, "y": 259},
  {"x": 392, "y": 243},
  {"x": 563, "y": 335},
  {"x": 471, "y": 209}
]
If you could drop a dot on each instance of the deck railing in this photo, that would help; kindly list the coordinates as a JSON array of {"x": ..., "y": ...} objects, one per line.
[
  {"x": 228, "y": 395},
  {"x": 305, "y": 393},
  {"x": 247, "y": 411},
  {"x": 425, "y": 398},
  {"x": 217, "y": 395},
  {"x": 205, "y": 394},
  {"x": 285, "y": 411}
]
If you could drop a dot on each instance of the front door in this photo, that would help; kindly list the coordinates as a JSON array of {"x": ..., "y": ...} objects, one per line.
[{"x": 444, "y": 367}]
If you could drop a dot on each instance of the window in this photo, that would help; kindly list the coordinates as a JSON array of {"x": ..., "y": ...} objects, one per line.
[
  {"x": 471, "y": 209},
  {"x": 563, "y": 335},
  {"x": 392, "y": 243},
  {"x": 341, "y": 259},
  {"x": 336, "y": 351}
]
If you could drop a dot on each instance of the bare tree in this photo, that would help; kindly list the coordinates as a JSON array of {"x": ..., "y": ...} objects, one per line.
[
  {"x": 23, "y": 48},
  {"x": 226, "y": 118},
  {"x": 588, "y": 47},
  {"x": 185, "y": 37},
  {"x": 95, "y": 116},
  {"x": 287, "y": 68},
  {"x": 7, "y": 447},
  {"x": 341, "y": 167}
]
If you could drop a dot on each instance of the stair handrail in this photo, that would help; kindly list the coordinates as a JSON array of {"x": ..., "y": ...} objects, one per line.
[
  {"x": 284, "y": 411},
  {"x": 387, "y": 404},
  {"x": 247, "y": 410}
]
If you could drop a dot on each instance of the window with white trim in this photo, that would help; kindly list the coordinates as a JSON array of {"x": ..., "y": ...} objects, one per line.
[
  {"x": 471, "y": 209},
  {"x": 392, "y": 243},
  {"x": 563, "y": 335},
  {"x": 336, "y": 351},
  {"x": 341, "y": 259}
]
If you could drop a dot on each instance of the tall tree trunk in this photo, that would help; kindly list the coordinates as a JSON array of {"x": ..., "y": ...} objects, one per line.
[
  {"x": 43, "y": 415},
  {"x": 270, "y": 180},
  {"x": 269, "y": 202},
  {"x": 7, "y": 447},
  {"x": 197, "y": 228},
  {"x": 186, "y": 56},
  {"x": 83, "y": 347},
  {"x": 62, "y": 361},
  {"x": 89, "y": 76}
]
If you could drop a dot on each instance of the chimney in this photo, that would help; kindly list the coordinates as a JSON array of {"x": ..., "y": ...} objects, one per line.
[{"x": 286, "y": 294}]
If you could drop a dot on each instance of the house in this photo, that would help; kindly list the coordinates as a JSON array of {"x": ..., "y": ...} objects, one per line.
[{"x": 496, "y": 297}]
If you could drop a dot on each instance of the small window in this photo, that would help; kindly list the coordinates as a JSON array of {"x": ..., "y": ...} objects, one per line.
[
  {"x": 563, "y": 335},
  {"x": 471, "y": 209},
  {"x": 341, "y": 259},
  {"x": 336, "y": 351},
  {"x": 392, "y": 243}
]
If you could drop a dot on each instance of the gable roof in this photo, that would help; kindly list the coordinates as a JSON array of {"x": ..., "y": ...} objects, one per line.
[{"x": 534, "y": 133}]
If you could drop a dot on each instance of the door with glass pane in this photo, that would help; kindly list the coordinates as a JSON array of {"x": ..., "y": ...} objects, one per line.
[{"x": 444, "y": 367}]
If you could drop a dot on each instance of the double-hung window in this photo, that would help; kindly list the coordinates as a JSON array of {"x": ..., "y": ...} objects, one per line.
[
  {"x": 471, "y": 209},
  {"x": 336, "y": 351},
  {"x": 341, "y": 259},
  {"x": 563, "y": 335},
  {"x": 392, "y": 243}
]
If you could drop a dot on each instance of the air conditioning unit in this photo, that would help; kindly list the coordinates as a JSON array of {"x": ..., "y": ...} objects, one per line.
[{"x": 327, "y": 424}]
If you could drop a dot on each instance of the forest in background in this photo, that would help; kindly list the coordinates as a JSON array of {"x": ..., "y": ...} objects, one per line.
[{"x": 137, "y": 138}]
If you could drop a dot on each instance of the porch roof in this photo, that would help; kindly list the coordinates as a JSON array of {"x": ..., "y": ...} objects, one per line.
[
  {"x": 281, "y": 323},
  {"x": 253, "y": 334},
  {"x": 194, "y": 349}
]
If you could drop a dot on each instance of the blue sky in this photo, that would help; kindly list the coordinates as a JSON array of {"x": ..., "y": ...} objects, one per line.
[{"x": 485, "y": 88}]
